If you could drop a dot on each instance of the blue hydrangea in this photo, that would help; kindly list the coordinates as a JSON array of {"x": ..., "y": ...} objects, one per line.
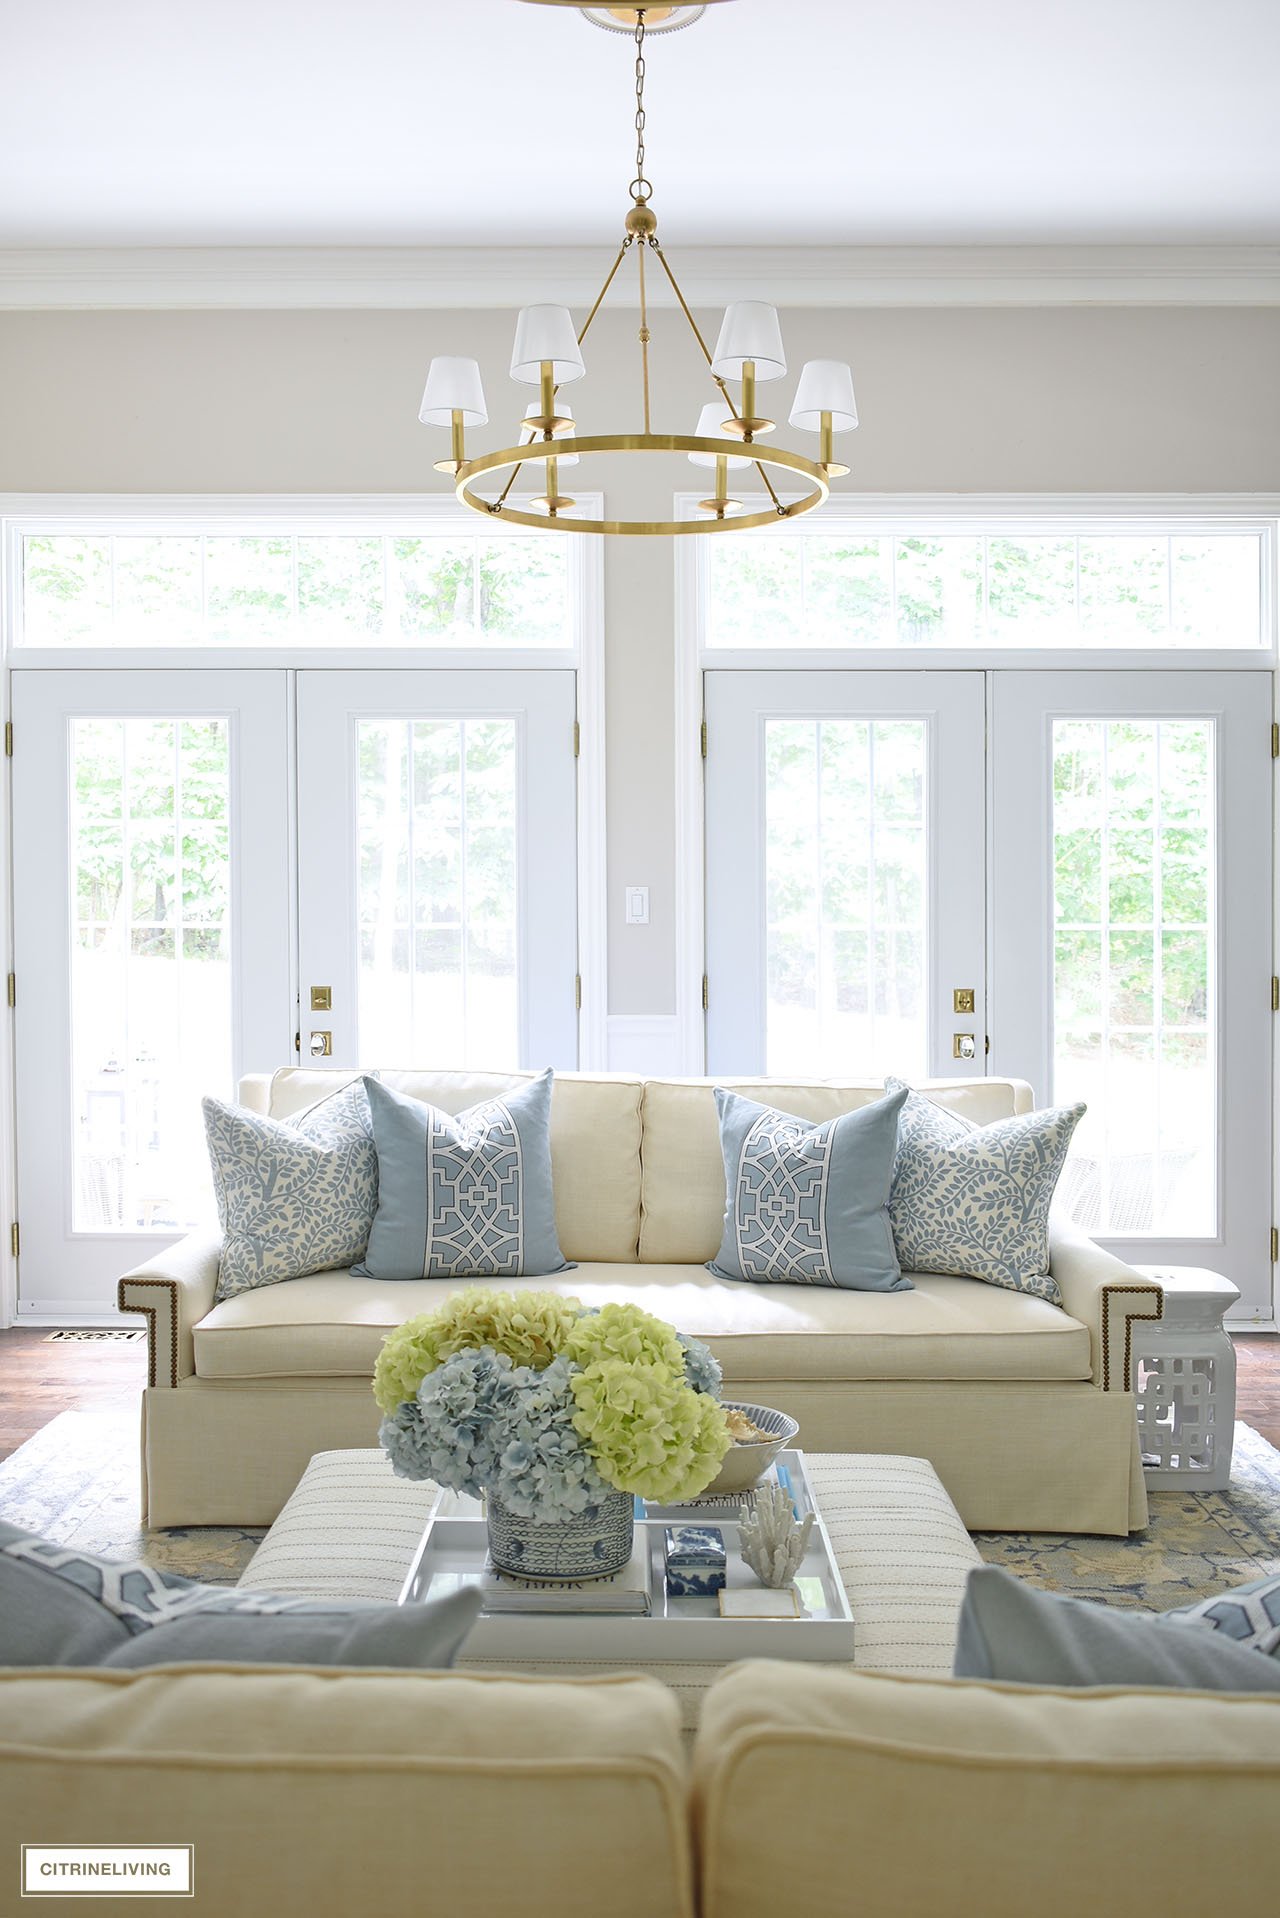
[
  {"x": 456, "y": 1428},
  {"x": 701, "y": 1370},
  {"x": 543, "y": 1471}
]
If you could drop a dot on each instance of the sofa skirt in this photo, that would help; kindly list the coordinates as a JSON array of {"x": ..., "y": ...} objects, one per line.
[{"x": 1019, "y": 1457}]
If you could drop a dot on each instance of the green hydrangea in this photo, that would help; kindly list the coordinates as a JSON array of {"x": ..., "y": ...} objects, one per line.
[
  {"x": 531, "y": 1328},
  {"x": 647, "y": 1431},
  {"x": 626, "y": 1332},
  {"x": 407, "y": 1355}
]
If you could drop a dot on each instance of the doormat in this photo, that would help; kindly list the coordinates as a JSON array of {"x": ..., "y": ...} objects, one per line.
[{"x": 91, "y": 1335}]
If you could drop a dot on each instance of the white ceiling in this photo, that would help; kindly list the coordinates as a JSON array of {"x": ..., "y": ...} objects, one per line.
[{"x": 451, "y": 122}]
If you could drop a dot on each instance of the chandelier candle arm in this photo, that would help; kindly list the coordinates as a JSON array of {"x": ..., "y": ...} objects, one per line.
[{"x": 824, "y": 404}]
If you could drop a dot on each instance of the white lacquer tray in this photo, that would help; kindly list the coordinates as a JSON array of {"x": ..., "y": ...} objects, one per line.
[{"x": 452, "y": 1553}]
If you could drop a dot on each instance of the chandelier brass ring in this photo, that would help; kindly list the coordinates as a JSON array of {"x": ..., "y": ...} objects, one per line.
[{"x": 518, "y": 456}]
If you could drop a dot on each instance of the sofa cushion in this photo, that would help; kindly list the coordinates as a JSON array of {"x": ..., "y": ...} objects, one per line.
[
  {"x": 331, "y": 1325},
  {"x": 808, "y": 1204},
  {"x": 683, "y": 1188},
  {"x": 308, "y": 1793},
  {"x": 934, "y": 1797},
  {"x": 595, "y": 1139},
  {"x": 465, "y": 1195}
]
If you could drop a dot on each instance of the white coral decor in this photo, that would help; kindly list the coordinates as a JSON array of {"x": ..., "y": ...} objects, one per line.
[{"x": 771, "y": 1539}]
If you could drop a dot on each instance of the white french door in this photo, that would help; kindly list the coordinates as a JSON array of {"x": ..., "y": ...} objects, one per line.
[
  {"x": 845, "y": 899},
  {"x": 1131, "y": 893},
  {"x": 151, "y": 943},
  {"x": 437, "y": 868}
]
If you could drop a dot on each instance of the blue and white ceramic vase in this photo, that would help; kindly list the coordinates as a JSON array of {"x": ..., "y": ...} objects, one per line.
[{"x": 592, "y": 1546}]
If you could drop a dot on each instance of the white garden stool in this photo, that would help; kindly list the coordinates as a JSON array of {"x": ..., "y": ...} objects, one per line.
[{"x": 1184, "y": 1380}]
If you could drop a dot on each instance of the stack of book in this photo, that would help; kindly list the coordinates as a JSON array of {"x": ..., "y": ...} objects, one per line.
[{"x": 624, "y": 1593}]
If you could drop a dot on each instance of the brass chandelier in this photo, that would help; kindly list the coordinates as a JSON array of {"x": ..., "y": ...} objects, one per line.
[{"x": 548, "y": 354}]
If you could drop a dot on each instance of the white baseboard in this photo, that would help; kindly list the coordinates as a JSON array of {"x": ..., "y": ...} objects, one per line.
[
  {"x": 647, "y": 1042},
  {"x": 55, "y": 1315}
]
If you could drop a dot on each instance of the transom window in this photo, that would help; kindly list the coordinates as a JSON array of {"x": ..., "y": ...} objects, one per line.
[
  {"x": 176, "y": 587},
  {"x": 1033, "y": 585}
]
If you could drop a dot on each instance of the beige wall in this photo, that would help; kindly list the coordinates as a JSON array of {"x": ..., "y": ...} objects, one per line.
[{"x": 1008, "y": 400}]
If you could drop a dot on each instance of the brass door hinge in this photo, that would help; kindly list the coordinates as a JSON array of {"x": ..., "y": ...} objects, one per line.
[
  {"x": 297, "y": 1042},
  {"x": 1275, "y": 1244},
  {"x": 577, "y": 992},
  {"x": 577, "y": 740},
  {"x": 1275, "y": 739},
  {"x": 8, "y": 739},
  {"x": 15, "y": 1238},
  {"x": 702, "y": 738},
  {"x": 11, "y": 989},
  {"x": 1275, "y": 993},
  {"x": 706, "y": 997}
]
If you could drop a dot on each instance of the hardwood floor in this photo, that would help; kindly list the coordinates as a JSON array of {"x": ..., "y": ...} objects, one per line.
[{"x": 38, "y": 1380}]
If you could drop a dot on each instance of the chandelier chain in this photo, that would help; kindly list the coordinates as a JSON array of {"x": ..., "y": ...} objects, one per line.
[{"x": 640, "y": 187}]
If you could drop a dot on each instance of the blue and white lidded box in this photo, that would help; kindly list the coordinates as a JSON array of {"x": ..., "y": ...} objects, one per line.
[{"x": 694, "y": 1559}]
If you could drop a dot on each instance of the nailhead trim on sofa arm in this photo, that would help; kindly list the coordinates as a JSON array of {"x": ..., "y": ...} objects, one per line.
[
  {"x": 1121, "y": 1305},
  {"x": 158, "y": 1300}
]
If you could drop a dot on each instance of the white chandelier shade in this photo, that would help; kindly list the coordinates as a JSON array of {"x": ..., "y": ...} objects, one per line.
[
  {"x": 826, "y": 386},
  {"x": 749, "y": 334},
  {"x": 711, "y": 427},
  {"x": 453, "y": 386},
  {"x": 545, "y": 336},
  {"x": 556, "y": 447}
]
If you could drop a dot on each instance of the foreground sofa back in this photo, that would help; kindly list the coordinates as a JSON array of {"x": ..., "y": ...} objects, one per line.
[{"x": 318, "y": 1794}]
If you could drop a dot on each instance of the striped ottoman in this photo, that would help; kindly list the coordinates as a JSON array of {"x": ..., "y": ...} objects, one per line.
[{"x": 351, "y": 1528}]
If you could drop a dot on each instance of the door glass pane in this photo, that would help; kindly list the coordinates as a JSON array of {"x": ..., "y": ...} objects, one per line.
[
  {"x": 151, "y": 971},
  {"x": 438, "y": 892},
  {"x": 845, "y": 882},
  {"x": 1134, "y": 976}
]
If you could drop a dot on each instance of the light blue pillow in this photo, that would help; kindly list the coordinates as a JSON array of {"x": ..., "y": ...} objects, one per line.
[
  {"x": 463, "y": 1196},
  {"x": 1015, "y": 1634},
  {"x": 295, "y": 1195},
  {"x": 973, "y": 1200},
  {"x": 60, "y": 1606},
  {"x": 807, "y": 1204}
]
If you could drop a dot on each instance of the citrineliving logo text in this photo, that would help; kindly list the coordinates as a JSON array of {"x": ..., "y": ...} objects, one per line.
[{"x": 108, "y": 1871}]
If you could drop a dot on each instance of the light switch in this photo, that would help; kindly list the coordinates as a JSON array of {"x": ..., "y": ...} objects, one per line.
[{"x": 637, "y": 905}]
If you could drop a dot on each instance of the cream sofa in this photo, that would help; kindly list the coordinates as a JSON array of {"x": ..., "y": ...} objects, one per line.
[
  {"x": 1022, "y": 1406},
  {"x": 319, "y": 1794}
]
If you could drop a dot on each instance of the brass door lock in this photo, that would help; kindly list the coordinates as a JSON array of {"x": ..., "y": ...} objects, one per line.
[
  {"x": 963, "y": 1046},
  {"x": 963, "y": 1000},
  {"x": 321, "y": 1045}
]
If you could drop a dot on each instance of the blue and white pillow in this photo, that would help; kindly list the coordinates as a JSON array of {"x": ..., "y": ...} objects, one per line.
[
  {"x": 973, "y": 1200},
  {"x": 60, "y": 1606},
  {"x": 295, "y": 1195},
  {"x": 1248, "y": 1614},
  {"x": 467, "y": 1195},
  {"x": 807, "y": 1204}
]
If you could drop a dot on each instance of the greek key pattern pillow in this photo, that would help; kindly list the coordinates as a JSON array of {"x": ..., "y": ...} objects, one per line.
[
  {"x": 805, "y": 1203},
  {"x": 294, "y": 1196},
  {"x": 974, "y": 1200},
  {"x": 465, "y": 1195}
]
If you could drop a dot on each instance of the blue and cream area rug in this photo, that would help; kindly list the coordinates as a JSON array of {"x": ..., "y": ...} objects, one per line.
[{"x": 77, "y": 1482}]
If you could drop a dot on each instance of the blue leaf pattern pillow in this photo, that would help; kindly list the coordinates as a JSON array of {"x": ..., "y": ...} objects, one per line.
[
  {"x": 294, "y": 1195},
  {"x": 974, "y": 1201},
  {"x": 806, "y": 1203}
]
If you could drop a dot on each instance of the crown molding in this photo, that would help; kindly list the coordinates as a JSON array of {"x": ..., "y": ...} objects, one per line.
[{"x": 43, "y": 279}]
